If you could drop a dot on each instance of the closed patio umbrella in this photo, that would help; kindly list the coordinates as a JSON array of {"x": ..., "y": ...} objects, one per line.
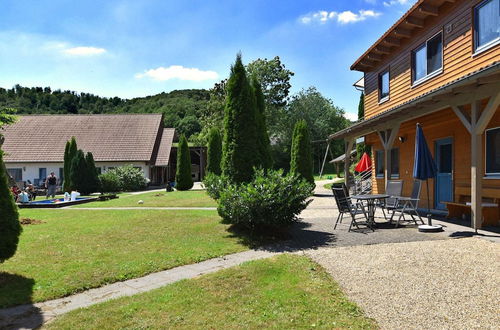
[
  {"x": 424, "y": 168},
  {"x": 364, "y": 163}
]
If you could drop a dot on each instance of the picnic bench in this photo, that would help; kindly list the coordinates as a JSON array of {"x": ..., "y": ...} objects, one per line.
[{"x": 490, "y": 204}]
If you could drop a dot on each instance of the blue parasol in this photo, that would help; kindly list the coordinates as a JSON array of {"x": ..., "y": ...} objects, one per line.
[{"x": 424, "y": 166}]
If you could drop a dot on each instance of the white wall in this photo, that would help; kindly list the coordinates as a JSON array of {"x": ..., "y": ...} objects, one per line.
[{"x": 31, "y": 170}]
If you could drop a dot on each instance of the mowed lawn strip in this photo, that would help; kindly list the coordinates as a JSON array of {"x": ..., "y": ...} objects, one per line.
[
  {"x": 73, "y": 251},
  {"x": 286, "y": 292},
  {"x": 158, "y": 199}
]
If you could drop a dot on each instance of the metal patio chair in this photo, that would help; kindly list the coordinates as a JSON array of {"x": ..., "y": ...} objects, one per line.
[
  {"x": 394, "y": 189},
  {"x": 409, "y": 205},
  {"x": 345, "y": 205}
]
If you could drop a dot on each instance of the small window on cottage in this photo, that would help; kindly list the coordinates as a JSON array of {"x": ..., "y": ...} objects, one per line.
[
  {"x": 486, "y": 24},
  {"x": 395, "y": 163},
  {"x": 16, "y": 173},
  {"x": 383, "y": 86},
  {"x": 379, "y": 163},
  {"x": 493, "y": 151},
  {"x": 428, "y": 58}
]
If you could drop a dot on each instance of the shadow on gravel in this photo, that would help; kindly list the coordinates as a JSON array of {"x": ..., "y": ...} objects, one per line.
[{"x": 18, "y": 289}]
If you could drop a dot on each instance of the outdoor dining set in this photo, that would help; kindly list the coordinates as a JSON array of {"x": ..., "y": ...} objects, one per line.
[{"x": 361, "y": 208}]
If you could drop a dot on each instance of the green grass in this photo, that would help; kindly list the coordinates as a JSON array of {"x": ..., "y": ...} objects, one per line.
[
  {"x": 75, "y": 249},
  {"x": 329, "y": 185},
  {"x": 158, "y": 199},
  {"x": 285, "y": 292},
  {"x": 324, "y": 176}
]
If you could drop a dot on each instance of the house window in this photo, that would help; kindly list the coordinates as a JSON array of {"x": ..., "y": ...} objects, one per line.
[
  {"x": 16, "y": 173},
  {"x": 493, "y": 151},
  {"x": 428, "y": 58},
  {"x": 486, "y": 24},
  {"x": 383, "y": 86},
  {"x": 42, "y": 173},
  {"x": 379, "y": 163},
  {"x": 395, "y": 163}
]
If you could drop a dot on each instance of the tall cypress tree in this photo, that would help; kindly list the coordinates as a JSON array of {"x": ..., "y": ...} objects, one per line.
[
  {"x": 78, "y": 173},
  {"x": 92, "y": 175},
  {"x": 214, "y": 152},
  {"x": 262, "y": 136},
  {"x": 301, "y": 162},
  {"x": 240, "y": 151},
  {"x": 69, "y": 153},
  {"x": 361, "y": 107},
  {"x": 183, "y": 178},
  {"x": 10, "y": 227}
]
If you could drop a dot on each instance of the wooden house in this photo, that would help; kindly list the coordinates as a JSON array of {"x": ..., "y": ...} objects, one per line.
[{"x": 438, "y": 65}]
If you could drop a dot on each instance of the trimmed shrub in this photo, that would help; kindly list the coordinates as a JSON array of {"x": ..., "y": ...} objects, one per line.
[
  {"x": 215, "y": 184},
  {"x": 131, "y": 178},
  {"x": 301, "y": 161},
  {"x": 10, "y": 227},
  {"x": 183, "y": 178},
  {"x": 110, "y": 182},
  {"x": 270, "y": 202},
  {"x": 214, "y": 152}
]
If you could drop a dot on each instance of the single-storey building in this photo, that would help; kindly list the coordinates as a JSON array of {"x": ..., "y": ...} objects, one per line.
[{"x": 34, "y": 145}]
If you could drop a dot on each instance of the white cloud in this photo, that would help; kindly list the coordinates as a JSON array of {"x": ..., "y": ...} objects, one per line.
[
  {"x": 351, "y": 116},
  {"x": 178, "y": 72},
  {"x": 84, "y": 51},
  {"x": 397, "y": 2},
  {"x": 344, "y": 17}
]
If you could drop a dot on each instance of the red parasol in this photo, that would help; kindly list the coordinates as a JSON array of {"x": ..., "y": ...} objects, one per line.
[{"x": 364, "y": 163}]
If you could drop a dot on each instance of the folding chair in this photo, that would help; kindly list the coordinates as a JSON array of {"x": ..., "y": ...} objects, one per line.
[
  {"x": 394, "y": 189},
  {"x": 408, "y": 205},
  {"x": 345, "y": 205}
]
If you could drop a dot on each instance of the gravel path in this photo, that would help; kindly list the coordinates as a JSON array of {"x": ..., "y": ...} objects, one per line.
[{"x": 442, "y": 284}]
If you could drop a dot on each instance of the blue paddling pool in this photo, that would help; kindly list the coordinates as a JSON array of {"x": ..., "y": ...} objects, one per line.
[{"x": 56, "y": 202}]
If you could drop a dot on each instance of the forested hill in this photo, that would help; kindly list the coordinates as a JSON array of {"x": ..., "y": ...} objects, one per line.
[{"x": 181, "y": 108}]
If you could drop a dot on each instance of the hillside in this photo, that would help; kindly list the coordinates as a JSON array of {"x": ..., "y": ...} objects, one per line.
[{"x": 181, "y": 108}]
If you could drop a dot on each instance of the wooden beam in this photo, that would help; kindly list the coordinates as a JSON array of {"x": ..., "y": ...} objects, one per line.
[
  {"x": 392, "y": 41},
  {"x": 450, "y": 1},
  {"x": 476, "y": 170},
  {"x": 416, "y": 22},
  {"x": 387, "y": 137},
  {"x": 347, "y": 161},
  {"x": 367, "y": 63},
  {"x": 403, "y": 32},
  {"x": 464, "y": 118},
  {"x": 428, "y": 10},
  {"x": 374, "y": 57},
  {"x": 383, "y": 50},
  {"x": 487, "y": 114}
]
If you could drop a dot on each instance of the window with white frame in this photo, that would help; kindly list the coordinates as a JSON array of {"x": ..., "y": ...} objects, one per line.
[
  {"x": 486, "y": 24},
  {"x": 427, "y": 59},
  {"x": 493, "y": 152}
]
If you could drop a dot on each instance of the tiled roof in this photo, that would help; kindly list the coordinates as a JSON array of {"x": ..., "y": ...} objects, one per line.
[
  {"x": 163, "y": 156},
  {"x": 42, "y": 138}
]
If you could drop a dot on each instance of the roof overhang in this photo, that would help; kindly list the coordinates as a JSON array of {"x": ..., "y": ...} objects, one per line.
[
  {"x": 412, "y": 21},
  {"x": 478, "y": 85}
]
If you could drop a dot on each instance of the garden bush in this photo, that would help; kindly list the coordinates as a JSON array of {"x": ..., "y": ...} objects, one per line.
[
  {"x": 215, "y": 184},
  {"x": 109, "y": 182},
  {"x": 269, "y": 203},
  {"x": 125, "y": 178}
]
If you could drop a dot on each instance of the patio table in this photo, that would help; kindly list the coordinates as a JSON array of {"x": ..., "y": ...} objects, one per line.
[{"x": 370, "y": 203}]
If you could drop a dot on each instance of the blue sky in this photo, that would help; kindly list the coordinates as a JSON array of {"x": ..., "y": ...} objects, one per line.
[{"x": 131, "y": 48}]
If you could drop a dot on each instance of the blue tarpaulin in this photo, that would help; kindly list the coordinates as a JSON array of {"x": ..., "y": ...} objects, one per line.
[{"x": 424, "y": 166}]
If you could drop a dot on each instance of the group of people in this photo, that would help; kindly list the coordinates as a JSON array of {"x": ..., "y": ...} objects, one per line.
[{"x": 29, "y": 193}]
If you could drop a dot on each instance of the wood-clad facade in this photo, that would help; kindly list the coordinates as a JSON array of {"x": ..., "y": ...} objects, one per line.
[{"x": 443, "y": 76}]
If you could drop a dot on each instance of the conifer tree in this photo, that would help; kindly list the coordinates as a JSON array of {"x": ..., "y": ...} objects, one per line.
[
  {"x": 69, "y": 153},
  {"x": 10, "y": 227},
  {"x": 78, "y": 173},
  {"x": 262, "y": 136},
  {"x": 301, "y": 162},
  {"x": 92, "y": 175},
  {"x": 360, "y": 147},
  {"x": 240, "y": 151},
  {"x": 214, "y": 152},
  {"x": 183, "y": 178}
]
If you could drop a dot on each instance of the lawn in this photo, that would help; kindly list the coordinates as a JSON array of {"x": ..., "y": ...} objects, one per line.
[
  {"x": 325, "y": 176},
  {"x": 286, "y": 292},
  {"x": 76, "y": 250},
  {"x": 158, "y": 199}
]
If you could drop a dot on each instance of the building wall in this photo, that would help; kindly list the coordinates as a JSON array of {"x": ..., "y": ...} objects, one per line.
[
  {"x": 31, "y": 170},
  {"x": 436, "y": 126},
  {"x": 455, "y": 21}
]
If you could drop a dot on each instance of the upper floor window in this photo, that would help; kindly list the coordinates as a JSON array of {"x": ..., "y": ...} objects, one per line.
[
  {"x": 428, "y": 58},
  {"x": 383, "y": 86},
  {"x": 486, "y": 24},
  {"x": 493, "y": 151}
]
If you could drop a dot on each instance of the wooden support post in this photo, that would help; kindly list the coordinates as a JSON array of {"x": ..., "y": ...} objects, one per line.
[
  {"x": 476, "y": 167},
  {"x": 324, "y": 159},
  {"x": 387, "y": 138},
  {"x": 347, "y": 161}
]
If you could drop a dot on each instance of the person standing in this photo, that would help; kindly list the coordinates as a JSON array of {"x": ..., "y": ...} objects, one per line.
[{"x": 51, "y": 184}]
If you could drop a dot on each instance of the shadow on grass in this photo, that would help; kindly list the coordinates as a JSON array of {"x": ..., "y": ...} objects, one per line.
[
  {"x": 17, "y": 289},
  {"x": 288, "y": 239}
]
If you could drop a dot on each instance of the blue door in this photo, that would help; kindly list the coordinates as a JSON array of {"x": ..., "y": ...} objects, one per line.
[{"x": 444, "y": 180}]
